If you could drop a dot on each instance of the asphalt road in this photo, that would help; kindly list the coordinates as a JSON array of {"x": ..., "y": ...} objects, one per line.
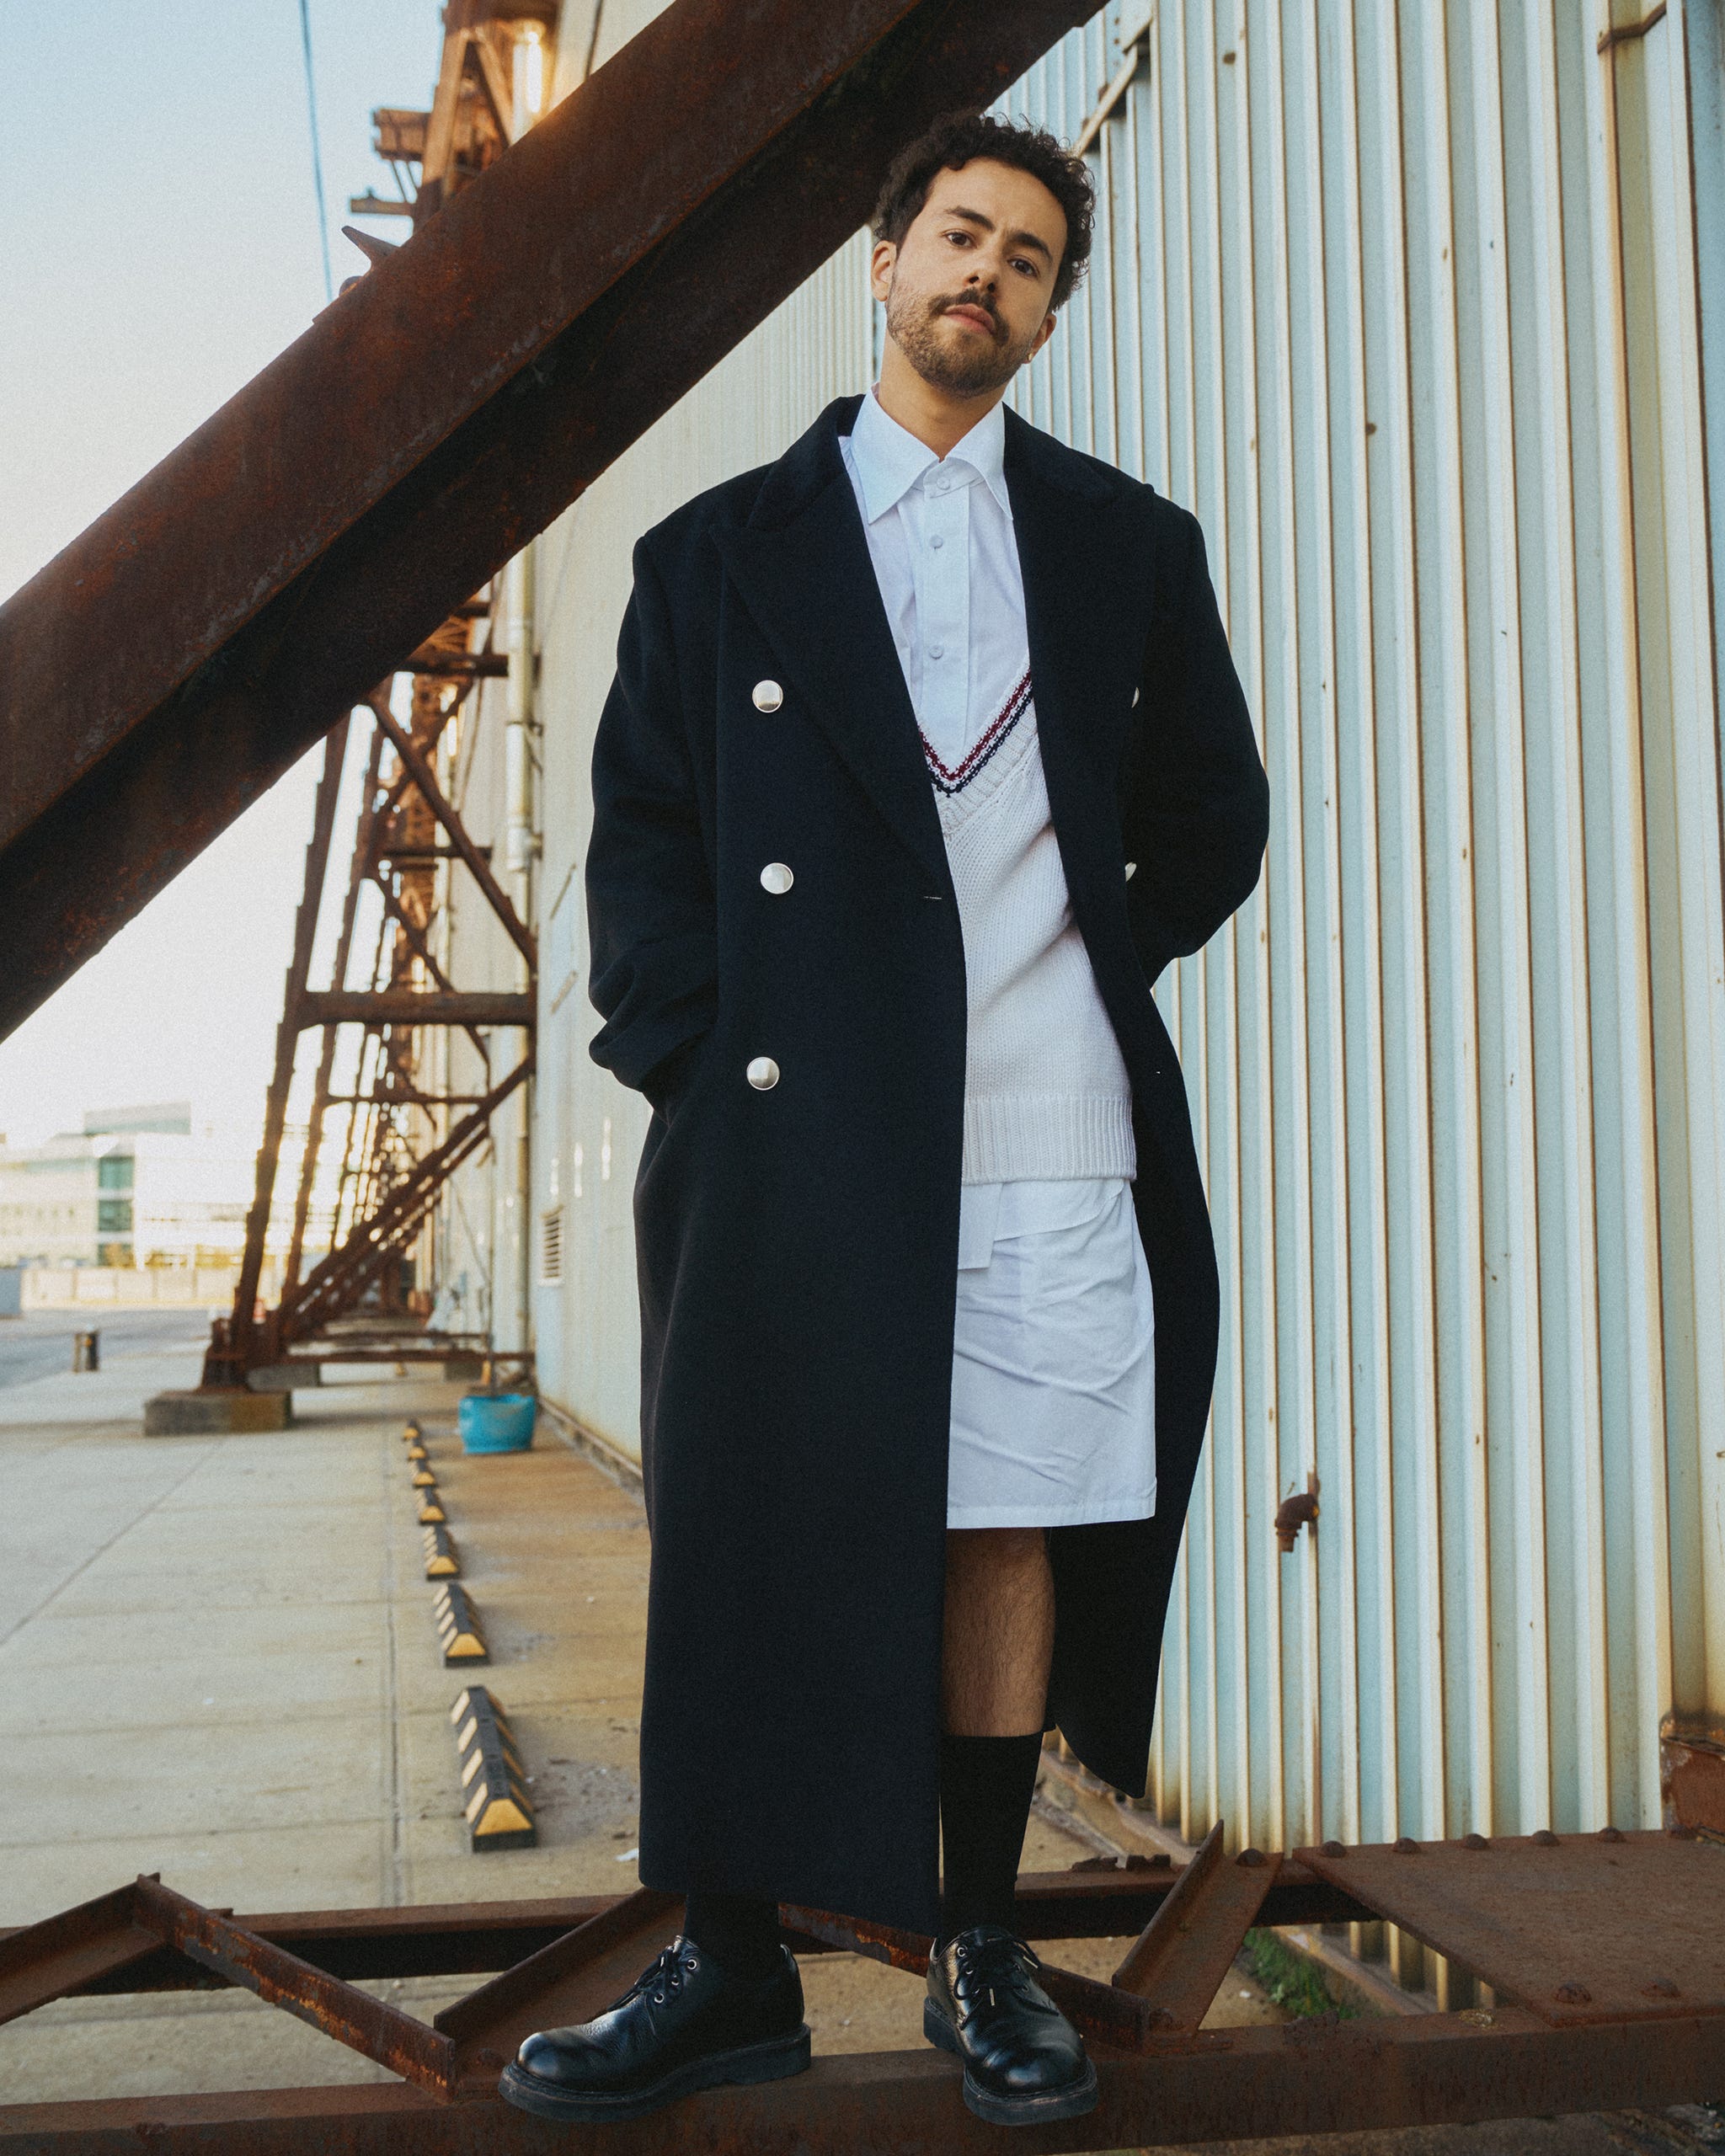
[{"x": 40, "y": 1344}]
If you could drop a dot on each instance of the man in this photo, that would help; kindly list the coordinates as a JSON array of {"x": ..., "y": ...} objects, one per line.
[{"x": 925, "y": 754}]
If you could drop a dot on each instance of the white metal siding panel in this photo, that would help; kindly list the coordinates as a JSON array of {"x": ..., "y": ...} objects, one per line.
[{"x": 1455, "y": 1069}]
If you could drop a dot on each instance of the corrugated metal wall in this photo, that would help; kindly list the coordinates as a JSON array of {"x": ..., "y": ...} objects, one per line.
[{"x": 1403, "y": 302}]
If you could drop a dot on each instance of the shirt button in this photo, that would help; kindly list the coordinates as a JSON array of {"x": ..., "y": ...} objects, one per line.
[
  {"x": 768, "y": 695},
  {"x": 941, "y": 485},
  {"x": 762, "y": 1074},
  {"x": 937, "y": 541},
  {"x": 937, "y": 651},
  {"x": 777, "y": 878}
]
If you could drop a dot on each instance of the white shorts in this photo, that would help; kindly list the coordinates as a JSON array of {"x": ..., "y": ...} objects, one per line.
[{"x": 1053, "y": 1358}]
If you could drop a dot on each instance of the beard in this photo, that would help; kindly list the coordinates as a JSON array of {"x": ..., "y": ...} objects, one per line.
[{"x": 966, "y": 369}]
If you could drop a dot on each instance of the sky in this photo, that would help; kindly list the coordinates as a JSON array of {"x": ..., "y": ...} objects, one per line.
[{"x": 160, "y": 246}]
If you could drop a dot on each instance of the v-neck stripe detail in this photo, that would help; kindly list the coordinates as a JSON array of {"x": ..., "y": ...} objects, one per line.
[{"x": 950, "y": 779}]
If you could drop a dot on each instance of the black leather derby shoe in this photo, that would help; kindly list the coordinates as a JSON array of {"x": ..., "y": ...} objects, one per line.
[
  {"x": 1024, "y": 2063},
  {"x": 684, "y": 2025}
]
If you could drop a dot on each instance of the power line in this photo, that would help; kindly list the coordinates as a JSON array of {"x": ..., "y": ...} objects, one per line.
[{"x": 316, "y": 148}]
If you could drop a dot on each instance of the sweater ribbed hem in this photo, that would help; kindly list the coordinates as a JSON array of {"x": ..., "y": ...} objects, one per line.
[{"x": 1048, "y": 1138}]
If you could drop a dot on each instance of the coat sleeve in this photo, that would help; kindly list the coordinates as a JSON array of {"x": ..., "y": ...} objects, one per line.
[
  {"x": 650, "y": 904},
  {"x": 1194, "y": 798}
]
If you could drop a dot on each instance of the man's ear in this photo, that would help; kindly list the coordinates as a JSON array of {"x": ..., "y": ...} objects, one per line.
[
  {"x": 881, "y": 263},
  {"x": 1050, "y": 322}
]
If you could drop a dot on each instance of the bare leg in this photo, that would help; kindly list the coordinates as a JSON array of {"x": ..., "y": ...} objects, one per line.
[{"x": 1000, "y": 1631}]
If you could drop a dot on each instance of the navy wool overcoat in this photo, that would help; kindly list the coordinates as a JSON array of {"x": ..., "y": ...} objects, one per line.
[{"x": 797, "y": 1245}]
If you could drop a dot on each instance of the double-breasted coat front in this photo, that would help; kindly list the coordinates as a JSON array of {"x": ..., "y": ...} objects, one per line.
[{"x": 797, "y": 1240}]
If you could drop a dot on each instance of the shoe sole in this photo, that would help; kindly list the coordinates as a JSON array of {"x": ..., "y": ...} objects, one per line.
[
  {"x": 1071, "y": 2102},
  {"x": 776, "y": 2061}
]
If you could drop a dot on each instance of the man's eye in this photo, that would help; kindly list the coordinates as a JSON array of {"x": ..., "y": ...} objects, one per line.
[
  {"x": 963, "y": 238},
  {"x": 1028, "y": 268}
]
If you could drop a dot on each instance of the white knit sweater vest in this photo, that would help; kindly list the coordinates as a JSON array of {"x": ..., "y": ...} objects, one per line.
[{"x": 1046, "y": 1094}]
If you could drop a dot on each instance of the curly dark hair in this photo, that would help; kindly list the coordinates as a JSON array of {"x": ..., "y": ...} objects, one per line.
[{"x": 960, "y": 137}]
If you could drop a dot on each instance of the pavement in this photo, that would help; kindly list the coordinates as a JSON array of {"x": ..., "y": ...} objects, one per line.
[{"x": 39, "y": 1344}]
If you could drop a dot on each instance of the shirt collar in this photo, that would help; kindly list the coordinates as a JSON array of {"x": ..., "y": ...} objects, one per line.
[{"x": 891, "y": 461}]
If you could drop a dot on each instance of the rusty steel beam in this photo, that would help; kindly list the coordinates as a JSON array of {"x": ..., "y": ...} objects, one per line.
[
  {"x": 1181, "y": 1957},
  {"x": 1158, "y": 2085},
  {"x": 412, "y": 1007},
  {"x": 299, "y": 967},
  {"x": 326, "y": 1057},
  {"x": 370, "y": 2026},
  {"x": 98, "y": 1943},
  {"x": 1225, "y": 2084},
  {"x": 456, "y": 666},
  {"x": 464, "y": 1937},
  {"x": 335, "y": 1282},
  {"x": 171, "y": 661},
  {"x": 418, "y": 769}
]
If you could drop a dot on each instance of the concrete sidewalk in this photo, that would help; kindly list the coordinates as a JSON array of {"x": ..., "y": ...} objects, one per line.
[{"x": 218, "y": 1660}]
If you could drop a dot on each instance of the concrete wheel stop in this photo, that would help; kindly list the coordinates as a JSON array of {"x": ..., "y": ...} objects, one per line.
[{"x": 208, "y": 1411}]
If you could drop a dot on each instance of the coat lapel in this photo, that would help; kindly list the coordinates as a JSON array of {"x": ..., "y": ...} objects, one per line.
[{"x": 801, "y": 566}]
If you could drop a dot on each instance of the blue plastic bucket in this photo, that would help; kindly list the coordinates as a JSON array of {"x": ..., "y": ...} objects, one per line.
[{"x": 497, "y": 1422}]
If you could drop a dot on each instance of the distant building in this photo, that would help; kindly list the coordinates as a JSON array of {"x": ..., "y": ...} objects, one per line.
[{"x": 137, "y": 1186}]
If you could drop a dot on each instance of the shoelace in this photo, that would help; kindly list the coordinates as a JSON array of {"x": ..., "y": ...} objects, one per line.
[
  {"x": 665, "y": 1977},
  {"x": 1002, "y": 1965}
]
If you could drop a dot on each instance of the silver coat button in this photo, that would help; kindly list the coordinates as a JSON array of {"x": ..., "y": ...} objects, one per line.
[
  {"x": 777, "y": 878},
  {"x": 1135, "y": 695},
  {"x": 768, "y": 695},
  {"x": 763, "y": 1074},
  {"x": 1131, "y": 870}
]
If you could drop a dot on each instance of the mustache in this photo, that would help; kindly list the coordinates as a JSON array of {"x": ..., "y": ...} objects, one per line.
[{"x": 979, "y": 300}]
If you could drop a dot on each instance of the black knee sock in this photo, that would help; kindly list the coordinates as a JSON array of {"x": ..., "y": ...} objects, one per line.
[
  {"x": 987, "y": 1784},
  {"x": 739, "y": 1931}
]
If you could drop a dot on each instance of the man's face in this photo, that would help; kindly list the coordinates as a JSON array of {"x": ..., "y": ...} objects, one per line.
[{"x": 968, "y": 291}]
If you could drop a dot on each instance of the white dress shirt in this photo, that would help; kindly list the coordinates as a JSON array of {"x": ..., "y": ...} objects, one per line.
[
  {"x": 1053, "y": 1370},
  {"x": 940, "y": 535}
]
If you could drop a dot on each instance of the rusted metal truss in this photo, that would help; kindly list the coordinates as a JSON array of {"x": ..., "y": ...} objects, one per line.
[
  {"x": 182, "y": 652},
  {"x": 1602, "y": 1952},
  {"x": 403, "y": 1141}
]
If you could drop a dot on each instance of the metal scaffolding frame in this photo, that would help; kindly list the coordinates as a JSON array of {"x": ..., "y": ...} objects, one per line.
[
  {"x": 400, "y": 1146},
  {"x": 1607, "y": 1990}
]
